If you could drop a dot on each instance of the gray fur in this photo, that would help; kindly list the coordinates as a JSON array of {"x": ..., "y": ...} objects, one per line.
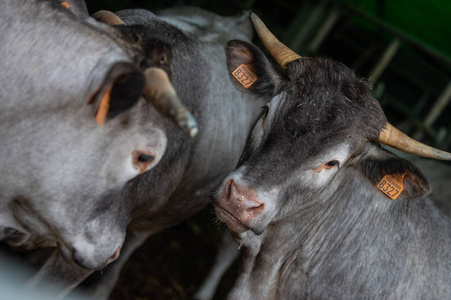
[{"x": 61, "y": 174}]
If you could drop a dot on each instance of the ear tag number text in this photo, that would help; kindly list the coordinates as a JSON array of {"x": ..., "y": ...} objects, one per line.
[
  {"x": 244, "y": 75},
  {"x": 392, "y": 185}
]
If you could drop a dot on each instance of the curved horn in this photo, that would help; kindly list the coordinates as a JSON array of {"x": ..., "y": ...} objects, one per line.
[
  {"x": 393, "y": 137},
  {"x": 281, "y": 53},
  {"x": 108, "y": 17},
  {"x": 160, "y": 92}
]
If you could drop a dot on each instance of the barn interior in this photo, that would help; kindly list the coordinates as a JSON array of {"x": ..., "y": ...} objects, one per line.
[{"x": 401, "y": 47}]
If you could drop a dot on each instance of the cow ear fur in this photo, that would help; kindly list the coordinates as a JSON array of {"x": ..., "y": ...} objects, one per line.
[
  {"x": 380, "y": 162},
  {"x": 267, "y": 77},
  {"x": 120, "y": 90},
  {"x": 77, "y": 7}
]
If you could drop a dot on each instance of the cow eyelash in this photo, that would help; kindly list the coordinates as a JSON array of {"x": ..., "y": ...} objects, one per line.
[
  {"x": 331, "y": 164},
  {"x": 265, "y": 109}
]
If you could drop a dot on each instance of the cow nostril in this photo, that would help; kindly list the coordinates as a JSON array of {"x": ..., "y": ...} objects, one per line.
[
  {"x": 115, "y": 255},
  {"x": 255, "y": 209},
  {"x": 228, "y": 188}
]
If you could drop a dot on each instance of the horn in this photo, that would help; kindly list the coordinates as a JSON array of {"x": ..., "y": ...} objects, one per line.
[
  {"x": 281, "y": 53},
  {"x": 161, "y": 94},
  {"x": 108, "y": 17},
  {"x": 393, "y": 137}
]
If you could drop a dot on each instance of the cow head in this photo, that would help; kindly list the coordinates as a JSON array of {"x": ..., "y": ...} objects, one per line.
[
  {"x": 317, "y": 141},
  {"x": 79, "y": 119}
]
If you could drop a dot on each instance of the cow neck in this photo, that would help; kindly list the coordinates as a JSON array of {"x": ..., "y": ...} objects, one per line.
[
  {"x": 266, "y": 262},
  {"x": 334, "y": 224},
  {"x": 303, "y": 242}
]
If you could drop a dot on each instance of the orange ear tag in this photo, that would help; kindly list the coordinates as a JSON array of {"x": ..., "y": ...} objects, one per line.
[
  {"x": 65, "y": 4},
  {"x": 244, "y": 75},
  {"x": 392, "y": 185},
  {"x": 104, "y": 107}
]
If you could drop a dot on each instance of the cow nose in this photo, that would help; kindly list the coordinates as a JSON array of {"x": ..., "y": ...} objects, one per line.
[
  {"x": 242, "y": 201},
  {"x": 115, "y": 255},
  {"x": 79, "y": 259},
  {"x": 85, "y": 262}
]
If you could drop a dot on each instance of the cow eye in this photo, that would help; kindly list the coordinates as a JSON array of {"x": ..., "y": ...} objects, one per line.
[
  {"x": 265, "y": 112},
  {"x": 141, "y": 160},
  {"x": 332, "y": 163},
  {"x": 145, "y": 158}
]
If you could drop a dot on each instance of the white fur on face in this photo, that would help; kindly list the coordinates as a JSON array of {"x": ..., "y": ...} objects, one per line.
[
  {"x": 264, "y": 122},
  {"x": 317, "y": 173}
]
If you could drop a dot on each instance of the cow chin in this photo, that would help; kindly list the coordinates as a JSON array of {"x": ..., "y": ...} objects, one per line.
[{"x": 232, "y": 223}]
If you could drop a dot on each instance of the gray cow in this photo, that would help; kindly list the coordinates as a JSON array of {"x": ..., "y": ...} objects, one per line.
[
  {"x": 320, "y": 208},
  {"x": 74, "y": 131},
  {"x": 181, "y": 183}
]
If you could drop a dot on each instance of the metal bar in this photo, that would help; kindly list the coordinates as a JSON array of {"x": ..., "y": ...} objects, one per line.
[
  {"x": 303, "y": 33},
  {"x": 324, "y": 30},
  {"x": 384, "y": 61},
  {"x": 438, "y": 107}
]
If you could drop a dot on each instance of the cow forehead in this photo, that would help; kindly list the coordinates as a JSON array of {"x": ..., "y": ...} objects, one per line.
[
  {"x": 324, "y": 98},
  {"x": 309, "y": 125}
]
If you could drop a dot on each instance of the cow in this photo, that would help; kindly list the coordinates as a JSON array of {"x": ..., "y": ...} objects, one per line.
[
  {"x": 182, "y": 182},
  {"x": 81, "y": 115},
  {"x": 319, "y": 208}
]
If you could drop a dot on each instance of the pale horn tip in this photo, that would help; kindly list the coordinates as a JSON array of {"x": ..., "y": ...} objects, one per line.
[
  {"x": 189, "y": 125},
  {"x": 281, "y": 53},
  {"x": 255, "y": 18},
  {"x": 393, "y": 137},
  {"x": 108, "y": 17}
]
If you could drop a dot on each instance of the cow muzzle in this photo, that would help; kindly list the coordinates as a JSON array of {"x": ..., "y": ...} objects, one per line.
[
  {"x": 237, "y": 206},
  {"x": 86, "y": 262}
]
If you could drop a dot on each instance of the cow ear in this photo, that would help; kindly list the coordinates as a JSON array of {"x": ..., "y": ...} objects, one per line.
[
  {"x": 120, "y": 90},
  {"x": 77, "y": 7},
  {"x": 395, "y": 177},
  {"x": 250, "y": 70}
]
